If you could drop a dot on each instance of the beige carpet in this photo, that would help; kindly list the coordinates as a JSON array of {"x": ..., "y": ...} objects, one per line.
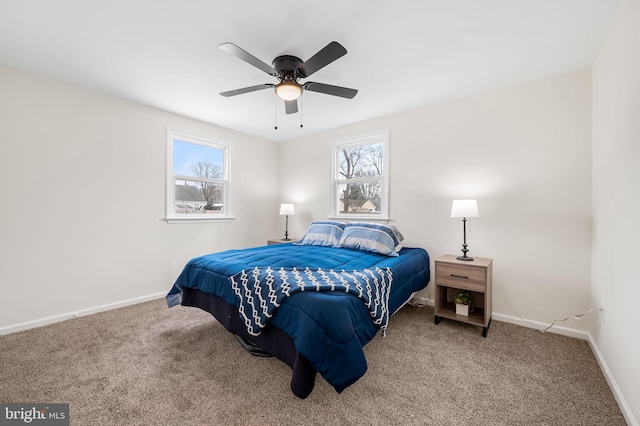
[{"x": 150, "y": 365}]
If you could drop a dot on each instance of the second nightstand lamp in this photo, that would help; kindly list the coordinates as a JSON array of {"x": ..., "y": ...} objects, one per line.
[
  {"x": 286, "y": 210},
  {"x": 464, "y": 209}
]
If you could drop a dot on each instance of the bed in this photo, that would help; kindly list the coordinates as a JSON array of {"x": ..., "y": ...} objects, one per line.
[{"x": 312, "y": 304}]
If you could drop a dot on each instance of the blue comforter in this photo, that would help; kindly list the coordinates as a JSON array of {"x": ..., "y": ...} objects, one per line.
[
  {"x": 261, "y": 291},
  {"x": 329, "y": 328}
]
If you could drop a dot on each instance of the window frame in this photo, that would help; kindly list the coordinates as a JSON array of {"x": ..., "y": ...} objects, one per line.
[
  {"x": 334, "y": 205},
  {"x": 227, "y": 148}
]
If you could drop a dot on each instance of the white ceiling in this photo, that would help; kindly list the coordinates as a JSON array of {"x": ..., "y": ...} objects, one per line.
[{"x": 402, "y": 54}]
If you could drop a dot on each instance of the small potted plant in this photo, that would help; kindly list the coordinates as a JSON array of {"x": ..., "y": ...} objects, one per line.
[{"x": 463, "y": 303}]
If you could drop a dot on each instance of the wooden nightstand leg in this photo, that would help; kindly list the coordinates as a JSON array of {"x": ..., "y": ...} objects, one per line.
[
  {"x": 486, "y": 329},
  {"x": 436, "y": 319}
]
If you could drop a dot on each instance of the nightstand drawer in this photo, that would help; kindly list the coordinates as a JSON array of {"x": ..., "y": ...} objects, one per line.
[{"x": 463, "y": 277}]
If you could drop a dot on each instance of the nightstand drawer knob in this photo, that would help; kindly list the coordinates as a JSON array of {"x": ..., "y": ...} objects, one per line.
[{"x": 459, "y": 276}]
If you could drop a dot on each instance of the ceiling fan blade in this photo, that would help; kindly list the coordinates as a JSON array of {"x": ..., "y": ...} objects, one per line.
[
  {"x": 246, "y": 90},
  {"x": 329, "y": 89},
  {"x": 291, "y": 107},
  {"x": 324, "y": 57},
  {"x": 248, "y": 58}
]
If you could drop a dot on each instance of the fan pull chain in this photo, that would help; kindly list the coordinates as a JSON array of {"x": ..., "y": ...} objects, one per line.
[
  {"x": 300, "y": 102},
  {"x": 275, "y": 114}
]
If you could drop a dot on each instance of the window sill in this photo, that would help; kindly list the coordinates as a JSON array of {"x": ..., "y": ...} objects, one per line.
[
  {"x": 199, "y": 219},
  {"x": 365, "y": 218}
]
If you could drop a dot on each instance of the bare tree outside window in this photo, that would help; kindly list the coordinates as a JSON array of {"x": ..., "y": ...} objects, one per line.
[
  {"x": 360, "y": 168},
  {"x": 211, "y": 192}
]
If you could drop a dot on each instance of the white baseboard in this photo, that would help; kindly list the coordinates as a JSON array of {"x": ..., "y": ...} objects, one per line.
[
  {"x": 537, "y": 325},
  {"x": 613, "y": 385},
  {"x": 420, "y": 301},
  {"x": 83, "y": 312},
  {"x": 565, "y": 331}
]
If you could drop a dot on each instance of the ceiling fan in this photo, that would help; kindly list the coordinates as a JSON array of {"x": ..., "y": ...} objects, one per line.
[{"x": 289, "y": 69}]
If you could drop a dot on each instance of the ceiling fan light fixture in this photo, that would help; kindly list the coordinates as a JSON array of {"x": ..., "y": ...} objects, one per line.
[{"x": 288, "y": 90}]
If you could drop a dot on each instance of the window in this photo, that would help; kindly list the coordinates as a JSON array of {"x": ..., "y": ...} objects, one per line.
[
  {"x": 198, "y": 178},
  {"x": 360, "y": 178}
]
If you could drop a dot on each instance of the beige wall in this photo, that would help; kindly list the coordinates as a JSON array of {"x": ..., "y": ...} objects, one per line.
[
  {"x": 616, "y": 200},
  {"x": 82, "y": 184},
  {"x": 523, "y": 152}
]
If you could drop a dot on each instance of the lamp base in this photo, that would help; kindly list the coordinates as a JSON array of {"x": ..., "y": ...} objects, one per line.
[
  {"x": 464, "y": 251},
  {"x": 465, "y": 258}
]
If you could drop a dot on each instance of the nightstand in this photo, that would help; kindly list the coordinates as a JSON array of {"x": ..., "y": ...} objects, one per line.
[
  {"x": 272, "y": 242},
  {"x": 475, "y": 277}
]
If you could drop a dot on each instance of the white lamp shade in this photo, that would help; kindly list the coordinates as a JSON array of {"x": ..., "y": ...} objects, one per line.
[
  {"x": 288, "y": 90},
  {"x": 286, "y": 209},
  {"x": 464, "y": 208}
]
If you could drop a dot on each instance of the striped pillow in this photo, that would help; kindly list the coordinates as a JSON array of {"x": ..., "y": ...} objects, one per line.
[
  {"x": 322, "y": 234},
  {"x": 372, "y": 237}
]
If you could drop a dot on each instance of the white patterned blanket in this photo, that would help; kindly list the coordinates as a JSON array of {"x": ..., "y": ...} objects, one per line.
[{"x": 262, "y": 290}]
